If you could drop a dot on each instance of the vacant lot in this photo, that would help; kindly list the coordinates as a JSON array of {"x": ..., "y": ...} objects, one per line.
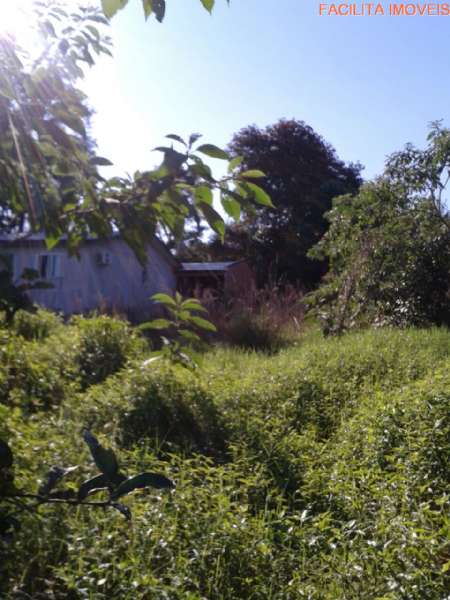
[{"x": 321, "y": 472}]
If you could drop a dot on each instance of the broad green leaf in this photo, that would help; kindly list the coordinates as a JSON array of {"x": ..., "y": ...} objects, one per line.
[
  {"x": 194, "y": 137},
  {"x": 189, "y": 335},
  {"x": 6, "y": 455},
  {"x": 208, "y": 4},
  {"x": 214, "y": 219},
  {"x": 143, "y": 480},
  {"x": 235, "y": 163},
  {"x": 156, "y": 324},
  {"x": 204, "y": 194},
  {"x": 203, "y": 323},
  {"x": 159, "y": 8},
  {"x": 100, "y": 482},
  {"x": 192, "y": 304},
  {"x": 148, "y": 8},
  {"x": 213, "y": 151},
  {"x": 252, "y": 174},
  {"x": 104, "y": 458},
  {"x": 231, "y": 207},
  {"x": 163, "y": 299},
  {"x": 176, "y": 138},
  {"x": 261, "y": 197},
  {"x": 111, "y": 7},
  {"x": 100, "y": 161}
]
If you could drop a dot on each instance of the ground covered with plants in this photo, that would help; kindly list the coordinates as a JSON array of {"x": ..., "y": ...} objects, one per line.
[{"x": 320, "y": 472}]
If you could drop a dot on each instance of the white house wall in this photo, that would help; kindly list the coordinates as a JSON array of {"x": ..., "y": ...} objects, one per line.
[{"x": 85, "y": 285}]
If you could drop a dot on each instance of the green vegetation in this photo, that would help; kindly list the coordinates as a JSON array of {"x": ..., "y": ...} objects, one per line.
[{"x": 319, "y": 472}]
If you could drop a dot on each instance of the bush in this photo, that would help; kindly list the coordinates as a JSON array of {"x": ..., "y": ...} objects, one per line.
[
  {"x": 36, "y": 326},
  {"x": 35, "y": 375},
  {"x": 105, "y": 345},
  {"x": 164, "y": 407}
]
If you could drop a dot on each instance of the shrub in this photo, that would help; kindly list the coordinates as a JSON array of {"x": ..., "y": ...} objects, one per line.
[
  {"x": 36, "y": 326},
  {"x": 35, "y": 375},
  {"x": 166, "y": 407},
  {"x": 264, "y": 320},
  {"x": 105, "y": 345}
]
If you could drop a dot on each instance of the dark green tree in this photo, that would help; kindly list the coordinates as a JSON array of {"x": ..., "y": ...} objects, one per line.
[{"x": 303, "y": 175}]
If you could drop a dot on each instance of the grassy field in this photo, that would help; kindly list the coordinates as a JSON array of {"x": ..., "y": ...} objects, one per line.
[{"x": 321, "y": 472}]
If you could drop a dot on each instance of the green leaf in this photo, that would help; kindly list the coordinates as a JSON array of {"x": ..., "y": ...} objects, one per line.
[
  {"x": 231, "y": 207},
  {"x": 111, "y": 7},
  {"x": 214, "y": 219},
  {"x": 213, "y": 151},
  {"x": 100, "y": 482},
  {"x": 189, "y": 335},
  {"x": 155, "y": 324},
  {"x": 235, "y": 163},
  {"x": 204, "y": 194},
  {"x": 100, "y": 161},
  {"x": 6, "y": 455},
  {"x": 203, "y": 323},
  {"x": 159, "y": 8},
  {"x": 252, "y": 174},
  {"x": 208, "y": 4},
  {"x": 143, "y": 480},
  {"x": 148, "y": 8},
  {"x": 104, "y": 458},
  {"x": 126, "y": 512},
  {"x": 260, "y": 196},
  {"x": 163, "y": 299},
  {"x": 176, "y": 138},
  {"x": 192, "y": 304}
]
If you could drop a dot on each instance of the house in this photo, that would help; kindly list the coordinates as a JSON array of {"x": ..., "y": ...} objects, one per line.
[
  {"x": 107, "y": 274},
  {"x": 221, "y": 278}
]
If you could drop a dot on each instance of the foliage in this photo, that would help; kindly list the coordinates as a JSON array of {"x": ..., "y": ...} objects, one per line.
[
  {"x": 156, "y": 8},
  {"x": 45, "y": 151},
  {"x": 36, "y": 326},
  {"x": 181, "y": 326},
  {"x": 104, "y": 347},
  {"x": 319, "y": 472},
  {"x": 388, "y": 246},
  {"x": 49, "y": 172},
  {"x": 303, "y": 174},
  {"x": 13, "y": 294},
  {"x": 110, "y": 478},
  {"x": 265, "y": 319}
]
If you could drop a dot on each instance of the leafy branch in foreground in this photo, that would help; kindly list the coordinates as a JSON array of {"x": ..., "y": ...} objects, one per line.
[
  {"x": 110, "y": 479},
  {"x": 155, "y": 8},
  {"x": 181, "y": 324}
]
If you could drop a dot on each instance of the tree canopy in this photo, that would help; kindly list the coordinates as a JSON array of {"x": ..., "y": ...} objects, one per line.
[
  {"x": 388, "y": 246},
  {"x": 302, "y": 175},
  {"x": 48, "y": 169}
]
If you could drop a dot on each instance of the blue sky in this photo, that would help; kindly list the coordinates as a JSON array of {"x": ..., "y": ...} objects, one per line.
[{"x": 368, "y": 85}]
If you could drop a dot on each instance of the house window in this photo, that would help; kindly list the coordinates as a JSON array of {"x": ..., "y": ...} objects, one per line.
[
  {"x": 49, "y": 266},
  {"x": 7, "y": 262}
]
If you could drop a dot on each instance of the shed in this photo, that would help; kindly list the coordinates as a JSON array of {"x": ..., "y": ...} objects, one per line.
[{"x": 223, "y": 278}]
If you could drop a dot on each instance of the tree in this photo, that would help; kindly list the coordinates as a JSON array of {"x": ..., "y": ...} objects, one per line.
[
  {"x": 48, "y": 170},
  {"x": 388, "y": 246},
  {"x": 303, "y": 175}
]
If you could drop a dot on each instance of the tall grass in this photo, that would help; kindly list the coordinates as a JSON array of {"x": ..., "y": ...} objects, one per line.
[{"x": 320, "y": 472}]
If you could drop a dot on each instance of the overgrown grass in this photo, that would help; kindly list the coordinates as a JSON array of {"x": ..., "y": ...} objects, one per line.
[{"x": 321, "y": 472}]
